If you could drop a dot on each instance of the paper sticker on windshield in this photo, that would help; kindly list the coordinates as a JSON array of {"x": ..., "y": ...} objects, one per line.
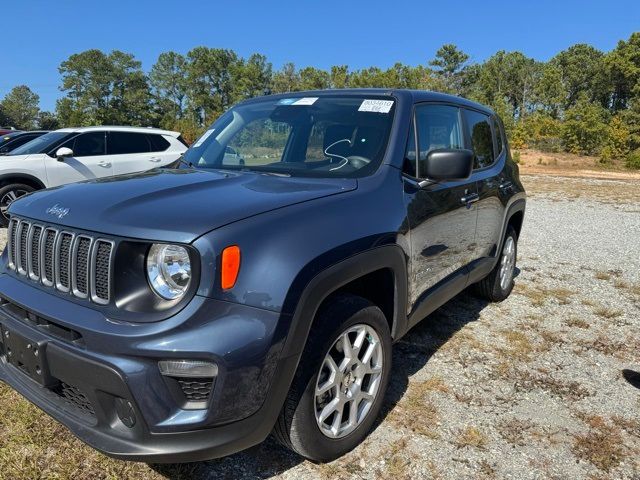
[
  {"x": 305, "y": 101},
  {"x": 298, "y": 101},
  {"x": 203, "y": 138},
  {"x": 379, "y": 106}
]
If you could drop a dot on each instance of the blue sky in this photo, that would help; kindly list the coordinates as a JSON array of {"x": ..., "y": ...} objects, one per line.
[{"x": 38, "y": 35}]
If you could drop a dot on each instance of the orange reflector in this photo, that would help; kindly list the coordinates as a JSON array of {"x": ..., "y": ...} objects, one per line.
[{"x": 230, "y": 266}]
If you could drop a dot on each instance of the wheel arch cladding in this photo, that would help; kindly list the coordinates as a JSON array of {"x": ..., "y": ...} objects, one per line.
[
  {"x": 385, "y": 263},
  {"x": 21, "y": 178}
]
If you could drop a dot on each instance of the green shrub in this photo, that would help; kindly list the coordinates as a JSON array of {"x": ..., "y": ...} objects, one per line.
[
  {"x": 516, "y": 156},
  {"x": 633, "y": 160}
]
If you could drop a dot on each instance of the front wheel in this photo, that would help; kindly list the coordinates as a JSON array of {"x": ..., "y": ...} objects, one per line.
[
  {"x": 339, "y": 386},
  {"x": 9, "y": 194},
  {"x": 497, "y": 286}
]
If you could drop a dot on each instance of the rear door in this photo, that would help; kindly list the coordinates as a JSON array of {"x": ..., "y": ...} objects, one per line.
[
  {"x": 129, "y": 152},
  {"x": 88, "y": 160},
  {"x": 441, "y": 215},
  {"x": 487, "y": 141},
  {"x": 138, "y": 151}
]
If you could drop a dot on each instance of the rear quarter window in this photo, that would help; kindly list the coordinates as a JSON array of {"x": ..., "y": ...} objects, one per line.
[{"x": 158, "y": 143}]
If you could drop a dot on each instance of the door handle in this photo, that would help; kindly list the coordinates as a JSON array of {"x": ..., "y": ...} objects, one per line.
[
  {"x": 154, "y": 159},
  {"x": 104, "y": 164},
  {"x": 470, "y": 198}
]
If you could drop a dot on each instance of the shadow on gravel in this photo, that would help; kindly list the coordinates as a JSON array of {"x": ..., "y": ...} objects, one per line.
[
  {"x": 632, "y": 377},
  {"x": 409, "y": 355},
  {"x": 260, "y": 462},
  {"x": 416, "y": 348}
]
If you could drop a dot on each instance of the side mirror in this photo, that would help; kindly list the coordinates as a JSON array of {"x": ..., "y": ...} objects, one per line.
[
  {"x": 447, "y": 164},
  {"x": 63, "y": 152}
]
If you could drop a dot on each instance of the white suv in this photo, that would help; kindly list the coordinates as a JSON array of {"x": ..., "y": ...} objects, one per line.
[{"x": 74, "y": 154}]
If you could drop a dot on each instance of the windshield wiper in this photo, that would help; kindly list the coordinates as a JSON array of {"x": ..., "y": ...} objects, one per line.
[{"x": 181, "y": 159}]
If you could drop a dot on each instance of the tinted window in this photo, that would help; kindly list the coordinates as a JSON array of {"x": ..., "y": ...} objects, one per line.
[
  {"x": 479, "y": 130},
  {"x": 15, "y": 142},
  {"x": 410, "y": 153},
  {"x": 128, "y": 142},
  {"x": 438, "y": 127},
  {"x": 87, "y": 144},
  {"x": 158, "y": 143},
  {"x": 43, "y": 144},
  {"x": 498, "y": 129}
]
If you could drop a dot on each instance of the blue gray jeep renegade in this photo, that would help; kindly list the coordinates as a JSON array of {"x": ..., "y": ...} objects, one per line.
[{"x": 257, "y": 285}]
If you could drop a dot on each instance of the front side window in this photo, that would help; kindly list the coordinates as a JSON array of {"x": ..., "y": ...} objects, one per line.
[
  {"x": 121, "y": 143},
  {"x": 479, "y": 131},
  {"x": 87, "y": 144},
  {"x": 438, "y": 127},
  {"x": 326, "y": 136}
]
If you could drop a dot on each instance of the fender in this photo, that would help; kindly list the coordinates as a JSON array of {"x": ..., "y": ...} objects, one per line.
[
  {"x": 19, "y": 175},
  {"x": 483, "y": 266},
  {"x": 517, "y": 204},
  {"x": 338, "y": 275}
]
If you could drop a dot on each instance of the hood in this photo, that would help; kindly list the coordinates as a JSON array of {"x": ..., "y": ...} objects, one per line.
[{"x": 171, "y": 205}]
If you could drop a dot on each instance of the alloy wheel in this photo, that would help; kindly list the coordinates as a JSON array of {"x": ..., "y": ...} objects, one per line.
[
  {"x": 349, "y": 381},
  {"x": 8, "y": 198},
  {"x": 507, "y": 263}
]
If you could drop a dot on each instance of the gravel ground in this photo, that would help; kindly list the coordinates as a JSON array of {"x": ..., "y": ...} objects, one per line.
[{"x": 539, "y": 386}]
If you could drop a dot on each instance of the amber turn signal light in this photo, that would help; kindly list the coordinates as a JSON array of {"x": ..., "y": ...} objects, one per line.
[{"x": 230, "y": 266}]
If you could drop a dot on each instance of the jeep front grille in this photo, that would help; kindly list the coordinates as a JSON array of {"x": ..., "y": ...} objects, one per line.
[{"x": 69, "y": 262}]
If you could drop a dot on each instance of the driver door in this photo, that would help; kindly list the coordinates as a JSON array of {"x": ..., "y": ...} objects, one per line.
[
  {"x": 441, "y": 215},
  {"x": 89, "y": 160}
]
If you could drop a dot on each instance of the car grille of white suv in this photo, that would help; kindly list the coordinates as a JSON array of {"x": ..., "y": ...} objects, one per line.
[{"x": 70, "y": 262}]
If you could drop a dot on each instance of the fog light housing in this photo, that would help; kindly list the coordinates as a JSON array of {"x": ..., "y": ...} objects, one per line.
[
  {"x": 190, "y": 381},
  {"x": 188, "y": 368}
]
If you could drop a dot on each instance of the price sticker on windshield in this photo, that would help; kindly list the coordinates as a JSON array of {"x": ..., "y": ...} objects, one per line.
[{"x": 378, "y": 106}]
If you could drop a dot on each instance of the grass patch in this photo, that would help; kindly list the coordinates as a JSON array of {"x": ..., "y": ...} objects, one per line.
[
  {"x": 519, "y": 346},
  {"x": 608, "y": 313},
  {"x": 602, "y": 445},
  {"x": 471, "y": 437},
  {"x": 415, "y": 412},
  {"x": 515, "y": 431},
  {"x": 575, "y": 322},
  {"x": 526, "y": 380},
  {"x": 32, "y": 445},
  {"x": 539, "y": 295}
]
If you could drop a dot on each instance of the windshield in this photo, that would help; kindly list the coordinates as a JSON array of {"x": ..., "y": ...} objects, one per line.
[
  {"x": 41, "y": 144},
  {"x": 326, "y": 136}
]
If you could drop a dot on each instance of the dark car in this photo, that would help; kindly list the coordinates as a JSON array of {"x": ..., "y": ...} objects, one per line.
[
  {"x": 186, "y": 313},
  {"x": 11, "y": 141}
]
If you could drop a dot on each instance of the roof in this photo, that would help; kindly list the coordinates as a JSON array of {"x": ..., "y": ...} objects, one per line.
[
  {"x": 116, "y": 128},
  {"x": 414, "y": 95}
]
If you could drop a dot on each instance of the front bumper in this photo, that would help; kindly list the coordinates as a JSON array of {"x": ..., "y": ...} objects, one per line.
[{"x": 103, "y": 382}]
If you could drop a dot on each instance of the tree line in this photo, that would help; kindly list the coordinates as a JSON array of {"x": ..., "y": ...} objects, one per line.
[{"x": 582, "y": 101}]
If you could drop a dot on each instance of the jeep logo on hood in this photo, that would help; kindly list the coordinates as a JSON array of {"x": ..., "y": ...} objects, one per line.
[{"x": 57, "y": 211}]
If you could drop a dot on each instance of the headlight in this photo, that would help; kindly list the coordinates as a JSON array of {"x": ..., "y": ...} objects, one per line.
[{"x": 169, "y": 270}]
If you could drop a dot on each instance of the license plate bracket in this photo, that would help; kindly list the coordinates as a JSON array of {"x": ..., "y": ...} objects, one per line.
[{"x": 28, "y": 355}]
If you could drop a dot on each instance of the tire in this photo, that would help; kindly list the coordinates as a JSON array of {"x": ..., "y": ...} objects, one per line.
[
  {"x": 298, "y": 426},
  {"x": 494, "y": 287},
  {"x": 8, "y": 194}
]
